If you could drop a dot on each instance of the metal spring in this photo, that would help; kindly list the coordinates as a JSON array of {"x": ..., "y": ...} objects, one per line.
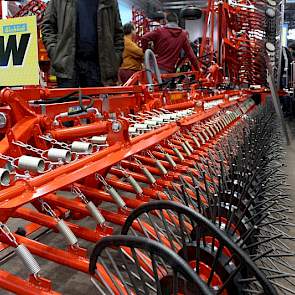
[
  {"x": 170, "y": 160},
  {"x": 135, "y": 185},
  {"x": 185, "y": 148},
  {"x": 161, "y": 167},
  {"x": 116, "y": 197},
  {"x": 95, "y": 213},
  {"x": 149, "y": 175},
  {"x": 196, "y": 141},
  {"x": 178, "y": 153},
  {"x": 66, "y": 232},
  {"x": 29, "y": 261},
  {"x": 189, "y": 146}
]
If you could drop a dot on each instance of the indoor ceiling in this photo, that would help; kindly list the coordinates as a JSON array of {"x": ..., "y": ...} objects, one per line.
[{"x": 178, "y": 4}]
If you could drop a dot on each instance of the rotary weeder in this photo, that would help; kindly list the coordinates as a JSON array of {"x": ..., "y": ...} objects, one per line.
[
  {"x": 154, "y": 187},
  {"x": 198, "y": 195}
]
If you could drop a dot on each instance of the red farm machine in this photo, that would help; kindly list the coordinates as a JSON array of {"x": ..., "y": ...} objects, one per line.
[{"x": 170, "y": 186}]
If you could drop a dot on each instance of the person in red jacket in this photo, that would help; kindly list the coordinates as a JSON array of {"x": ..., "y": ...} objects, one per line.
[{"x": 168, "y": 42}]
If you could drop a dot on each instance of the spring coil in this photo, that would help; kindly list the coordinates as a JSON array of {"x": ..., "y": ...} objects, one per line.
[
  {"x": 189, "y": 146},
  {"x": 135, "y": 185},
  {"x": 161, "y": 167},
  {"x": 196, "y": 141},
  {"x": 95, "y": 213},
  {"x": 170, "y": 160},
  {"x": 117, "y": 198},
  {"x": 66, "y": 232},
  {"x": 185, "y": 148},
  {"x": 178, "y": 153},
  {"x": 149, "y": 175},
  {"x": 27, "y": 258}
]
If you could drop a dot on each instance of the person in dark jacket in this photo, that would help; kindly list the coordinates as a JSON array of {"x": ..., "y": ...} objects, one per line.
[
  {"x": 168, "y": 42},
  {"x": 84, "y": 40}
]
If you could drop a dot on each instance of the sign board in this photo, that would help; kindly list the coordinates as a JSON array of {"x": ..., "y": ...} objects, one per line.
[{"x": 19, "y": 51}]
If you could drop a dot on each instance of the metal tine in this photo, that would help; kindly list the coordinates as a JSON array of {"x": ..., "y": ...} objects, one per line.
[
  {"x": 146, "y": 233},
  {"x": 251, "y": 246},
  {"x": 185, "y": 182},
  {"x": 285, "y": 235},
  {"x": 171, "y": 197},
  {"x": 167, "y": 231},
  {"x": 264, "y": 254},
  {"x": 189, "y": 201},
  {"x": 97, "y": 286},
  {"x": 110, "y": 257},
  {"x": 184, "y": 192},
  {"x": 101, "y": 261},
  {"x": 198, "y": 247},
  {"x": 280, "y": 286},
  {"x": 197, "y": 193},
  {"x": 172, "y": 233},
  {"x": 103, "y": 282},
  {"x": 281, "y": 262},
  {"x": 141, "y": 255},
  {"x": 207, "y": 193},
  {"x": 251, "y": 201},
  {"x": 175, "y": 282},
  {"x": 212, "y": 177},
  {"x": 158, "y": 237},
  {"x": 155, "y": 270},
  {"x": 263, "y": 202},
  {"x": 178, "y": 193},
  {"x": 139, "y": 270},
  {"x": 264, "y": 210},
  {"x": 183, "y": 237},
  {"x": 215, "y": 261},
  {"x": 250, "y": 291},
  {"x": 229, "y": 279},
  {"x": 214, "y": 220}
]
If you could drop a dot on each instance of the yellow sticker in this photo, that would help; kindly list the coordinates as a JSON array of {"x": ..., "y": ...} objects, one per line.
[{"x": 19, "y": 51}]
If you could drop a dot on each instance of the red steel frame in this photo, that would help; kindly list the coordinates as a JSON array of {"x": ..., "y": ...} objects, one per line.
[
  {"x": 26, "y": 123},
  {"x": 12, "y": 199}
]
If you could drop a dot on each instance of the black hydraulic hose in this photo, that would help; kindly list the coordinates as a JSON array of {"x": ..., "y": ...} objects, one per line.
[{"x": 69, "y": 98}]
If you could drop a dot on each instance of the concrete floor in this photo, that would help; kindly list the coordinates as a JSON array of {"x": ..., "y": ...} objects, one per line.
[{"x": 74, "y": 283}]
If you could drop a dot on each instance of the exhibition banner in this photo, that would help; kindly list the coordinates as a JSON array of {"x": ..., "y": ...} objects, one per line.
[{"x": 19, "y": 51}]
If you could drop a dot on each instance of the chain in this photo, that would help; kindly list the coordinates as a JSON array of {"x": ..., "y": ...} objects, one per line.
[
  {"x": 124, "y": 171},
  {"x": 149, "y": 153},
  {"x": 7, "y": 158},
  {"x": 7, "y": 233},
  {"x": 102, "y": 180},
  {"x": 76, "y": 191},
  {"x": 55, "y": 142},
  {"x": 161, "y": 148},
  {"x": 170, "y": 144},
  {"x": 138, "y": 162},
  {"x": 30, "y": 148},
  {"x": 46, "y": 208}
]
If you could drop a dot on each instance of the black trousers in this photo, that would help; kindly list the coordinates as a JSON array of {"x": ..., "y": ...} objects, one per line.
[{"x": 86, "y": 74}]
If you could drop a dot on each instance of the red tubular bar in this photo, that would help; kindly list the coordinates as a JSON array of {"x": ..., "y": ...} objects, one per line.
[
  {"x": 49, "y": 222},
  {"x": 19, "y": 286},
  {"x": 61, "y": 257},
  {"x": 78, "y": 132}
]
